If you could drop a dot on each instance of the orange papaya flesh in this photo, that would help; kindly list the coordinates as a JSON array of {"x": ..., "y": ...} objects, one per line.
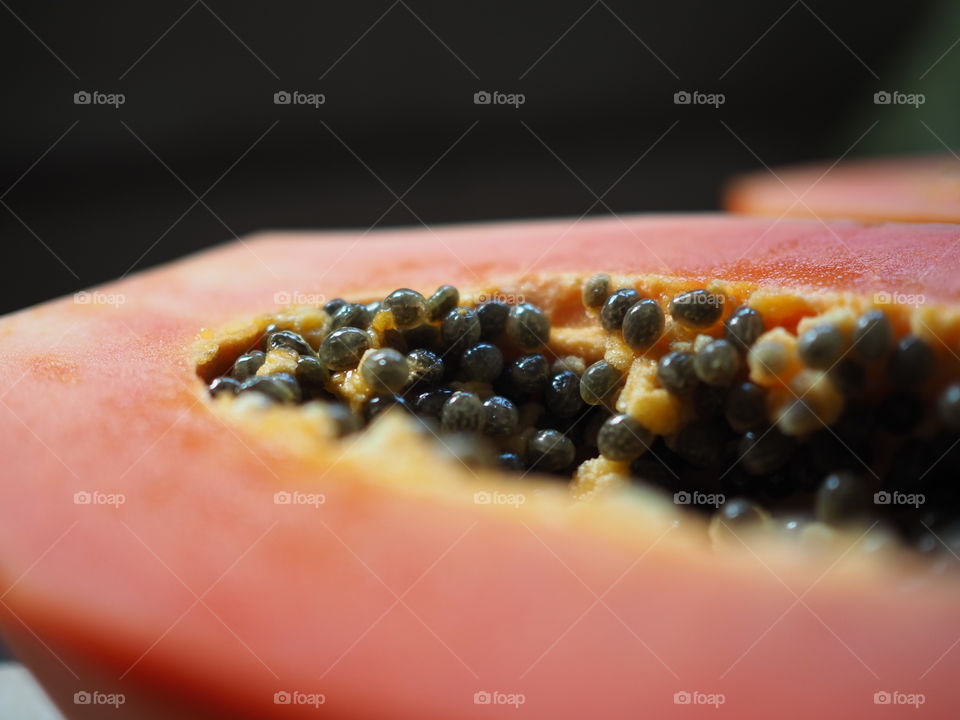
[
  {"x": 183, "y": 584},
  {"x": 903, "y": 189}
]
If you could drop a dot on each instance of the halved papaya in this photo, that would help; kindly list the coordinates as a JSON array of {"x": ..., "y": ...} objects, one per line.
[
  {"x": 174, "y": 544},
  {"x": 904, "y": 189}
]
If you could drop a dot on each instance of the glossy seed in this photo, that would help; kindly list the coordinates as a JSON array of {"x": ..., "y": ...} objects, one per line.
[
  {"x": 562, "y": 396},
  {"x": 746, "y": 406},
  {"x": 528, "y": 326},
  {"x": 740, "y": 512},
  {"x": 385, "y": 370},
  {"x": 431, "y": 402},
  {"x": 481, "y": 363},
  {"x": 744, "y": 327},
  {"x": 224, "y": 386},
  {"x": 550, "y": 450},
  {"x": 676, "y": 373},
  {"x": 615, "y": 307},
  {"x": 501, "y": 416},
  {"x": 643, "y": 324},
  {"x": 701, "y": 444},
  {"x": 595, "y": 290},
  {"x": 246, "y": 365},
  {"x": 334, "y": 305},
  {"x": 717, "y": 363},
  {"x": 529, "y": 374},
  {"x": 843, "y": 498},
  {"x": 460, "y": 328},
  {"x": 948, "y": 406},
  {"x": 445, "y": 299},
  {"x": 462, "y": 412},
  {"x": 408, "y": 307},
  {"x": 821, "y": 346},
  {"x": 289, "y": 340},
  {"x": 763, "y": 452},
  {"x": 282, "y": 387},
  {"x": 622, "y": 438},
  {"x": 697, "y": 308},
  {"x": 342, "y": 349},
  {"x": 426, "y": 368},
  {"x": 381, "y": 403},
  {"x": 911, "y": 362},
  {"x": 598, "y": 382},
  {"x": 510, "y": 461},
  {"x": 311, "y": 372},
  {"x": 351, "y": 315},
  {"x": 493, "y": 319},
  {"x": 733, "y": 518},
  {"x": 872, "y": 336}
]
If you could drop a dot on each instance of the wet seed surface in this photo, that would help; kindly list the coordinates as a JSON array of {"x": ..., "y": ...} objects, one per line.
[{"x": 838, "y": 426}]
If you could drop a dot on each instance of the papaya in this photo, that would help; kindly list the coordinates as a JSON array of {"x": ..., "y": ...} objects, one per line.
[
  {"x": 904, "y": 189},
  {"x": 684, "y": 467}
]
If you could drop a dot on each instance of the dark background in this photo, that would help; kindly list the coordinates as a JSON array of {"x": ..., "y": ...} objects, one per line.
[{"x": 92, "y": 192}]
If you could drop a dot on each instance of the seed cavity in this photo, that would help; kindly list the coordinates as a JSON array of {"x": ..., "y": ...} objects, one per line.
[{"x": 798, "y": 430}]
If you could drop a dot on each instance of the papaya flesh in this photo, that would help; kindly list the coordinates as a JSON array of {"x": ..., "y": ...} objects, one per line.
[
  {"x": 903, "y": 189},
  {"x": 144, "y": 554}
]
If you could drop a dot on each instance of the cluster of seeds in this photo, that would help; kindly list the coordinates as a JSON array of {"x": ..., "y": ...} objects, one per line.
[
  {"x": 484, "y": 380},
  {"x": 480, "y": 378}
]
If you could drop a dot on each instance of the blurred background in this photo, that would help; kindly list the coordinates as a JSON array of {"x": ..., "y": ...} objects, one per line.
[{"x": 181, "y": 144}]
